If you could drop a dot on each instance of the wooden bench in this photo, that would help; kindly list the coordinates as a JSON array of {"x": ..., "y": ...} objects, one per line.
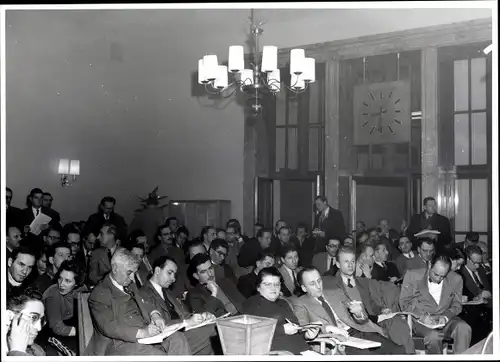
[{"x": 85, "y": 326}]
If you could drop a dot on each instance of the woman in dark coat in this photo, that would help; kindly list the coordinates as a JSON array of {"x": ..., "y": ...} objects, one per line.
[{"x": 267, "y": 303}]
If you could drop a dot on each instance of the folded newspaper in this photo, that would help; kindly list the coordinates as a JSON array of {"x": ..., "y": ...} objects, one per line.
[{"x": 36, "y": 224}]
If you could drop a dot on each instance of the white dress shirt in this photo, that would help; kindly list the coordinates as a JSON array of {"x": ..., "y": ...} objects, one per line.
[
  {"x": 33, "y": 210},
  {"x": 328, "y": 261},
  {"x": 409, "y": 255},
  {"x": 344, "y": 279},
  {"x": 435, "y": 290},
  {"x": 157, "y": 288}
]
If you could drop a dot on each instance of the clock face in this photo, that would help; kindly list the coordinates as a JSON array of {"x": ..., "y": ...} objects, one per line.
[{"x": 382, "y": 113}]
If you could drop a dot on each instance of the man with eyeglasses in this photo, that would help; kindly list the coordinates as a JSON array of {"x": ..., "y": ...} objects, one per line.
[
  {"x": 326, "y": 262},
  {"x": 218, "y": 254},
  {"x": 51, "y": 237},
  {"x": 434, "y": 294},
  {"x": 216, "y": 296},
  {"x": 167, "y": 246}
]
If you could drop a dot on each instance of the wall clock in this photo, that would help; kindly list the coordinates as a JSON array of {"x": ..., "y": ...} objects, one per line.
[{"x": 382, "y": 113}]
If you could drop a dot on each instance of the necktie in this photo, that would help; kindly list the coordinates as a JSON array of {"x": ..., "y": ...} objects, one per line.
[
  {"x": 296, "y": 285},
  {"x": 477, "y": 279},
  {"x": 349, "y": 283},
  {"x": 383, "y": 265},
  {"x": 138, "y": 280},
  {"x": 328, "y": 310},
  {"x": 129, "y": 292},
  {"x": 109, "y": 255},
  {"x": 37, "y": 212}
]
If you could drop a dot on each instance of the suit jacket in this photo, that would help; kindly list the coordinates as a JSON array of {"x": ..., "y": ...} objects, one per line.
[
  {"x": 375, "y": 295},
  {"x": 320, "y": 260},
  {"x": 288, "y": 287},
  {"x": 200, "y": 300},
  {"x": 149, "y": 293},
  {"x": 249, "y": 253},
  {"x": 107, "y": 303},
  {"x": 27, "y": 216},
  {"x": 471, "y": 289},
  {"x": 99, "y": 265},
  {"x": 403, "y": 263},
  {"x": 391, "y": 248},
  {"x": 13, "y": 217},
  {"x": 333, "y": 226},
  {"x": 438, "y": 222},
  {"x": 306, "y": 250},
  {"x": 309, "y": 310},
  {"x": 97, "y": 220},
  {"x": 384, "y": 274},
  {"x": 247, "y": 284},
  {"x": 225, "y": 271},
  {"x": 54, "y": 215},
  {"x": 415, "y": 296}
]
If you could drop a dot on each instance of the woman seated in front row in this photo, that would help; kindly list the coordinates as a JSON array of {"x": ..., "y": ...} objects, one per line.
[{"x": 267, "y": 303}]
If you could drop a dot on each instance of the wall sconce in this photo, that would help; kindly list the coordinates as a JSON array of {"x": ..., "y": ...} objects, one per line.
[{"x": 67, "y": 168}]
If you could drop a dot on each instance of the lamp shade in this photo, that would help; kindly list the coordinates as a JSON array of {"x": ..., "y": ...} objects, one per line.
[
  {"x": 202, "y": 79},
  {"x": 221, "y": 80},
  {"x": 63, "y": 166},
  {"x": 74, "y": 167},
  {"x": 297, "y": 57},
  {"x": 269, "y": 58},
  {"x": 273, "y": 80},
  {"x": 236, "y": 58},
  {"x": 210, "y": 67},
  {"x": 309, "y": 70},
  {"x": 297, "y": 82},
  {"x": 247, "y": 76}
]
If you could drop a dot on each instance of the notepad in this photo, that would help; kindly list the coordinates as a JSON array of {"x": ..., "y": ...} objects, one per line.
[
  {"x": 383, "y": 317},
  {"x": 427, "y": 232},
  {"x": 167, "y": 332},
  {"x": 40, "y": 219},
  {"x": 207, "y": 322}
]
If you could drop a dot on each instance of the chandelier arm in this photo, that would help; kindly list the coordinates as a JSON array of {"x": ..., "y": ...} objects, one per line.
[{"x": 207, "y": 89}]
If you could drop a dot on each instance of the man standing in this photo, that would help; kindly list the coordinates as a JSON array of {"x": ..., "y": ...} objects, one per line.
[
  {"x": 107, "y": 215},
  {"x": 326, "y": 262},
  {"x": 34, "y": 209},
  {"x": 429, "y": 219},
  {"x": 121, "y": 316},
  {"x": 328, "y": 223},
  {"x": 329, "y": 308},
  {"x": 434, "y": 294},
  {"x": 47, "y": 200}
]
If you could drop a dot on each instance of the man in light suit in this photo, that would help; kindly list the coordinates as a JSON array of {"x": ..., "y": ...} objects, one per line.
[
  {"x": 100, "y": 260},
  {"x": 121, "y": 316},
  {"x": 432, "y": 294},
  {"x": 326, "y": 262},
  {"x": 173, "y": 310},
  {"x": 329, "y": 308},
  {"x": 289, "y": 270}
]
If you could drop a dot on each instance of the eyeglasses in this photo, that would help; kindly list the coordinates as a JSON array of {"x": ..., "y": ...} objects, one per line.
[
  {"x": 35, "y": 318},
  {"x": 269, "y": 285},
  {"x": 332, "y": 246}
]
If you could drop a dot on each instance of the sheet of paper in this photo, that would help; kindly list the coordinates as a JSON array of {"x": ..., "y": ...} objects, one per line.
[
  {"x": 38, "y": 222},
  {"x": 474, "y": 302},
  {"x": 310, "y": 353},
  {"x": 168, "y": 331},
  {"x": 360, "y": 343},
  {"x": 427, "y": 232},
  {"x": 432, "y": 326},
  {"x": 383, "y": 317},
  {"x": 208, "y": 322}
]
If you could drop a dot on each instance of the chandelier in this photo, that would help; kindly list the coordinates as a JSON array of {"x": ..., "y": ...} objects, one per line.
[{"x": 262, "y": 78}]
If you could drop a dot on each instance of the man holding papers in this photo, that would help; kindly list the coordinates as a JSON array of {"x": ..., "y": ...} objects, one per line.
[
  {"x": 121, "y": 316},
  {"x": 339, "y": 315},
  {"x": 173, "y": 311},
  {"x": 435, "y": 295}
]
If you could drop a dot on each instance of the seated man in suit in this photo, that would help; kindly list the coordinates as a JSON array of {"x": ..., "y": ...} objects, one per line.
[
  {"x": 251, "y": 250},
  {"x": 167, "y": 246},
  {"x": 408, "y": 258},
  {"x": 425, "y": 252},
  {"x": 13, "y": 239},
  {"x": 143, "y": 273},
  {"x": 218, "y": 253},
  {"x": 383, "y": 269},
  {"x": 435, "y": 294},
  {"x": 20, "y": 265},
  {"x": 121, "y": 316},
  {"x": 377, "y": 297},
  {"x": 173, "y": 311},
  {"x": 210, "y": 295},
  {"x": 247, "y": 284},
  {"x": 100, "y": 260},
  {"x": 330, "y": 308},
  {"x": 305, "y": 243},
  {"x": 471, "y": 238},
  {"x": 56, "y": 255},
  {"x": 325, "y": 262},
  {"x": 364, "y": 261},
  {"x": 289, "y": 270}
]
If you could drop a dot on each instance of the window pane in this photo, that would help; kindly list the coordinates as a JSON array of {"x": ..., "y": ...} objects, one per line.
[
  {"x": 313, "y": 148},
  {"x": 478, "y": 83},
  {"x": 461, "y": 84},
  {"x": 461, "y": 139},
  {"x": 293, "y": 151},
  {"x": 480, "y": 205},
  {"x": 459, "y": 238},
  {"x": 479, "y": 139},
  {"x": 313, "y": 102},
  {"x": 281, "y": 108},
  {"x": 462, "y": 205},
  {"x": 280, "y": 148},
  {"x": 293, "y": 106}
]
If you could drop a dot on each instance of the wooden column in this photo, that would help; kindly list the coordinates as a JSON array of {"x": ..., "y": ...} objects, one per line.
[
  {"x": 430, "y": 183},
  {"x": 332, "y": 131}
]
